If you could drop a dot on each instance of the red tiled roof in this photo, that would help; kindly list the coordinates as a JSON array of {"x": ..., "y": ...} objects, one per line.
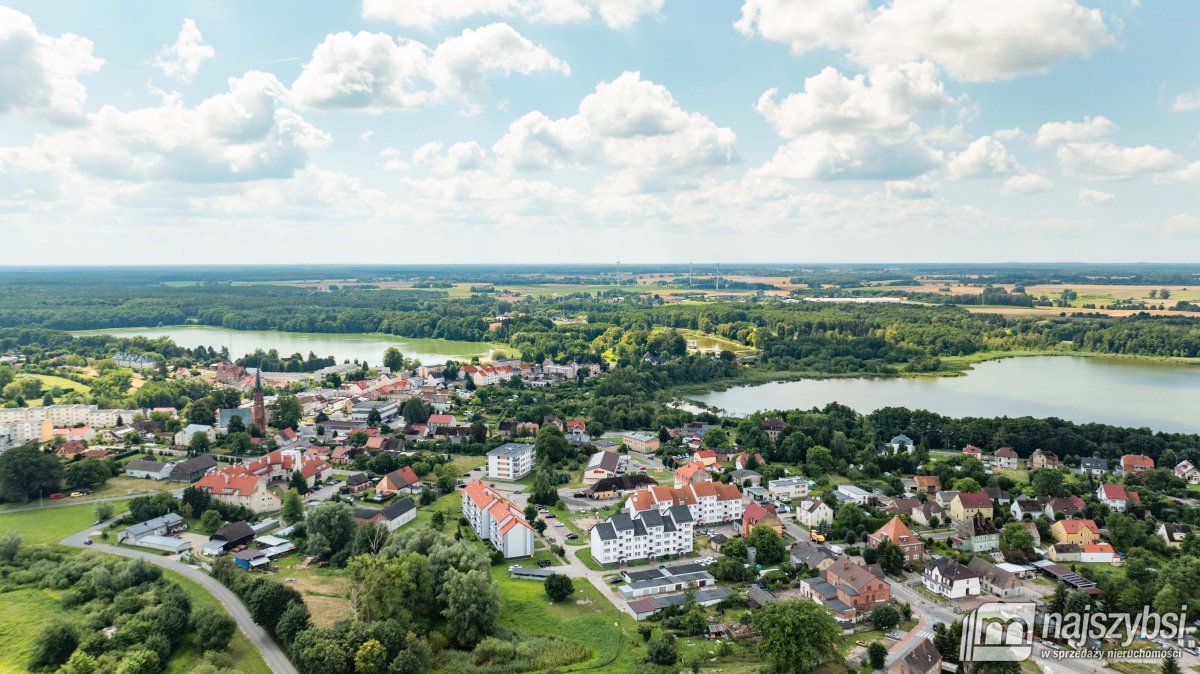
[
  {"x": 976, "y": 499},
  {"x": 1075, "y": 526}
]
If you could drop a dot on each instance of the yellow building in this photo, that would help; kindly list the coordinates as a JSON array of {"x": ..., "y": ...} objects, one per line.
[
  {"x": 966, "y": 506},
  {"x": 1080, "y": 532}
]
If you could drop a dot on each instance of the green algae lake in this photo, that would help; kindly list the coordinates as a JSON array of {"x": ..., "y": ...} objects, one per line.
[{"x": 341, "y": 346}]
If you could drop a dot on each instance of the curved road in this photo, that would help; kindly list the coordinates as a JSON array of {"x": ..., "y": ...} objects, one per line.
[{"x": 270, "y": 651}]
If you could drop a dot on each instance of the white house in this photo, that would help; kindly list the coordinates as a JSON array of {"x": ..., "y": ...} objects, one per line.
[
  {"x": 510, "y": 461},
  {"x": 901, "y": 443},
  {"x": 788, "y": 488},
  {"x": 1116, "y": 497},
  {"x": 1101, "y": 553},
  {"x": 642, "y": 535},
  {"x": 812, "y": 513},
  {"x": 1184, "y": 470},
  {"x": 184, "y": 436},
  {"x": 497, "y": 520},
  {"x": 600, "y": 465},
  {"x": 361, "y": 412},
  {"x": 950, "y": 579},
  {"x": 152, "y": 470},
  {"x": 855, "y": 494},
  {"x": 708, "y": 502},
  {"x": 1006, "y": 457}
]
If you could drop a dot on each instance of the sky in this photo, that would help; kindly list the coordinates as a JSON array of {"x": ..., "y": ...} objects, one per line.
[{"x": 511, "y": 131}]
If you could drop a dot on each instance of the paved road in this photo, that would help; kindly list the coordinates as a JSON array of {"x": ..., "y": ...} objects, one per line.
[
  {"x": 63, "y": 503},
  {"x": 270, "y": 651}
]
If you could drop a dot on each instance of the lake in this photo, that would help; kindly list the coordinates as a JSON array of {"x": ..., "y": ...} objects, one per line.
[
  {"x": 1121, "y": 392},
  {"x": 368, "y": 347}
]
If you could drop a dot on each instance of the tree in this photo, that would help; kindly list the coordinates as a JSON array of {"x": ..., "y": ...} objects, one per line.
[
  {"x": 438, "y": 520},
  {"x": 559, "y": 588},
  {"x": 212, "y": 628},
  {"x": 268, "y": 600},
  {"x": 966, "y": 485},
  {"x": 286, "y": 411},
  {"x": 331, "y": 524},
  {"x": 1170, "y": 665},
  {"x": 297, "y": 482},
  {"x": 551, "y": 446},
  {"x": 885, "y": 617},
  {"x": 87, "y": 474},
  {"x": 371, "y": 658},
  {"x": 53, "y": 645},
  {"x": 393, "y": 359},
  {"x": 545, "y": 487},
  {"x": 662, "y": 651},
  {"x": 211, "y": 520},
  {"x": 877, "y": 654},
  {"x": 769, "y": 548},
  {"x": 235, "y": 425},
  {"x": 79, "y": 663},
  {"x": 797, "y": 634},
  {"x": 1124, "y": 532},
  {"x": 1015, "y": 536},
  {"x": 199, "y": 444},
  {"x": 321, "y": 651},
  {"x": 1048, "y": 482},
  {"x": 295, "y": 619},
  {"x": 819, "y": 461},
  {"x": 104, "y": 510},
  {"x": 374, "y": 418},
  {"x": 293, "y": 507},
  {"x": 390, "y": 588},
  {"x": 10, "y": 545},
  {"x": 472, "y": 606},
  {"x": 479, "y": 432},
  {"x": 139, "y": 661},
  {"x": 890, "y": 557},
  {"x": 27, "y": 472}
]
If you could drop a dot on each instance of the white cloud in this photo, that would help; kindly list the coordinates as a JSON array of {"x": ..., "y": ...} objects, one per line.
[
  {"x": 457, "y": 158},
  {"x": 1186, "y": 102},
  {"x": 373, "y": 72},
  {"x": 40, "y": 73},
  {"x": 427, "y": 14},
  {"x": 1090, "y": 197},
  {"x": 1056, "y": 133},
  {"x": 630, "y": 125},
  {"x": 1187, "y": 174},
  {"x": 242, "y": 134},
  {"x": 183, "y": 59},
  {"x": 977, "y": 40},
  {"x": 1029, "y": 183},
  {"x": 985, "y": 156},
  {"x": 828, "y": 156},
  {"x": 886, "y": 99},
  {"x": 1107, "y": 161},
  {"x": 910, "y": 189}
]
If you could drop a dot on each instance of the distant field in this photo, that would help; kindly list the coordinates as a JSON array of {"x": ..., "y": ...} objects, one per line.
[
  {"x": 707, "y": 341},
  {"x": 51, "y": 525},
  {"x": 49, "y": 381}
]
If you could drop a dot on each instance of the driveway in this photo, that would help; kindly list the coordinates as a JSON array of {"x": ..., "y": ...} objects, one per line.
[{"x": 270, "y": 651}]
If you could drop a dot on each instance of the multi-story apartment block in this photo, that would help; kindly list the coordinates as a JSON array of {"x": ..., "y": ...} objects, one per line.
[
  {"x": 497, "y": 520},
  {"x": 641, "y": 535},
  {"x": 708, "y": 502},
  {"x": 510, "y": 461}
]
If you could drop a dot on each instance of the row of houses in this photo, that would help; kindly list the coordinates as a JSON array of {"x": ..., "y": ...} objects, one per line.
[{"x": 497, "y": 520}]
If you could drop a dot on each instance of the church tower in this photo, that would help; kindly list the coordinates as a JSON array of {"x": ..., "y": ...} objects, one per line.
[{"x": 259, "y": 413}]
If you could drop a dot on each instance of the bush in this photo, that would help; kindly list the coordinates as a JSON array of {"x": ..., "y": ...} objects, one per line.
[
  {"x": 662, "y": 651},
  {"x": 53, "y": 645},
  {"x": 213, "y": 629},
  {"x": 559, "y": 588}
]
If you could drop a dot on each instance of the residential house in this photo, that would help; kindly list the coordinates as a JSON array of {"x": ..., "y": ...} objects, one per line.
[
  {"x": 497, "y": 520},
  {"x": 1184, "y": 470},
  {"x": 1083, "y": 532},
  {"x": 695, "y": 471},
  {"x": 601, "y": 465},
  {"x": 998, "y": 495},
  {"x": 852, "y": 591},
  {"x": 643, "y": 442},
  {"x": 1132, "y": 464},
  {"x": 708, "y": 502},
  {"x": 742, "y": 461},
  {"x": 977, "y": 534},
  {"x": 1097, "y": 553},
  {"x": 240, "y": 489},
  {"x": 901, "y": 444},
  {"x": 1093, "y": 465},
  {"x": 764, "y": 514},
  {"x": 945, "y": 498},
  {"x": 1031, "y": 527},
  {"x": 358, "y": 482},
  {"x": 193, "y": 469},
  {"x": 927, "y": 484},
  {"x": 1065, "y": 552},
  {"x": 1028, "y": 506},
  {"x": 706, "y": 456},
  {"x": 159, "y": 526},
  {"x": 1174, "y": 534},
  {"x": 928, "y": 513},
  {"x": 788, "y": 488},
  {"x": 773, "y": 426},
  {"x": 902, "y": 506},
  {"x": 996, "y": 580},
  {"x": 746, "y": 478},
  {"x": 151, "y": 470},
  {"x": 393, "y": 516},
  {"x": 816, "y": 556},
  {"x": 1116, "y": 497},
  {"x": 1058, "y": 508},
  {"x": 1043, "y": 458},
  {"x": 184, "y": 436},
  {"x": 813, "y": 513},
  {"x": 950, "y": 579},
  {"x": 969, "y": 504},
  {"x": 973, "y": 452},
  {"x": 897, "y": 533},
  {"x": 1006, "y": 457},
  {"x": 511, "y": 461},
  {"x": 924, "y": 658},
  {"x": 398, "y": 481},
  {"x": 646, "y": 534}
]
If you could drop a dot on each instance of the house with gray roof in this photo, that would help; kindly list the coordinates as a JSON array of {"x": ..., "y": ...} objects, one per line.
[
  {"x": 146, "y": 469},
  {"x": 645, "y": 534},
  {"x": 159, "y": 526}
]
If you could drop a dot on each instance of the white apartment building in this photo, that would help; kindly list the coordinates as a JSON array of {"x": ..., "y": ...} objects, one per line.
[
  {"x": 34, "y": 424},
  {"x": 510, "y": 461},
  {"x": 643, "y": 535},
  {"x": 788, "y": 488},
  {"x": 707, "y": 502},
  {"x": 497, "y": 520}
]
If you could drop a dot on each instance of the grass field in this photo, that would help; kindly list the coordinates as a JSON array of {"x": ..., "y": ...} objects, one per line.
[
  {"x": 25, "y": 611},
  {"x": 245, "y": 658},
  {"x": 50, "y": 525},
  {"x": 706, "y": 341},
  {"x": 49, "y": 381}
]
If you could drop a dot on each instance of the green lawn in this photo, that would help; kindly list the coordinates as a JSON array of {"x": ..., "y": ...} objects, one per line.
[
  {"x": 450, "y": 505},
  {"x": 50, "y": 525},
  {"x": 25, "y": 611},
  {"x": 588, "y": 619},
  {"x": 49, "y": 381}
]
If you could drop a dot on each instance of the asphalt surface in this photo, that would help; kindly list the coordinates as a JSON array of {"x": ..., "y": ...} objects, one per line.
[{"x": 270, "y": 651}]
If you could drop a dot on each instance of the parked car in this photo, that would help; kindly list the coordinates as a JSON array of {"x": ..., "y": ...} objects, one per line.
[
  {"x": 572, "y": 536},
  {"x": 87, "y": 542},
  {"x": 543, "y": 563},
  {"x": 616, "y": 580},
  {"x": 56, "y": 495}
]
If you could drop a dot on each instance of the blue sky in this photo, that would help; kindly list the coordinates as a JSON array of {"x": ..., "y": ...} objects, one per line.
[{"x": 598, "y": 130}]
